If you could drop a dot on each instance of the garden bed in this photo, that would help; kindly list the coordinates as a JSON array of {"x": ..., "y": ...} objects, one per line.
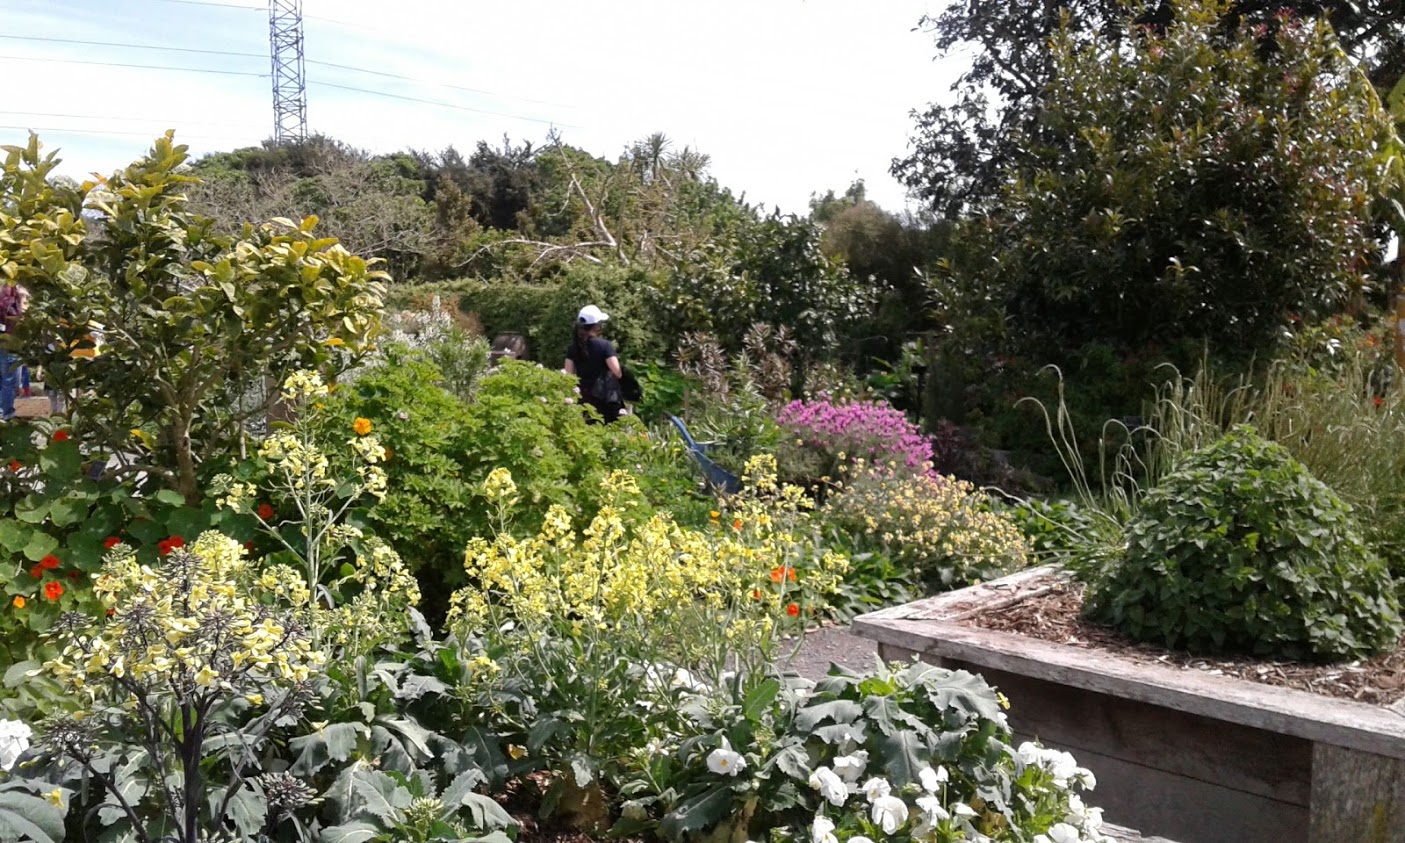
[
  {"x": 1051, "y": 611},
  {"x": 1182, "y": 747}
]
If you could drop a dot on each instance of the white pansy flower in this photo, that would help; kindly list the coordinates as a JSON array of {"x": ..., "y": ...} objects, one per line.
[
  {"x": 822, "y": 831},
  {"x": 859, "y": 838},
  {"x": 889, "y": 813},
  {"x": 1064, "y": 833},
  {"x": 932, "y": 779},
  {"x": 932, "y": 810},
  {"x": 14, "y": 740},
  {"x": 723, "y": 761},
  {"x": 830, "y": 786},
  {"x": 850, "y": 767},
  {"x": 1085, "y": 777},
  {"x": 876, "y": 788},
  {"x": 961, "y": 809}
]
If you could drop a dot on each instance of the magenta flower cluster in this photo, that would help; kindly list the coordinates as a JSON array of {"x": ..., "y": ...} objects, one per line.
[{"x": 869, "y": 430}]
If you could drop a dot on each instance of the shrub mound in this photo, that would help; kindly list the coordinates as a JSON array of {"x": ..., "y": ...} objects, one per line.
[{"x": 1240, "y": 549}]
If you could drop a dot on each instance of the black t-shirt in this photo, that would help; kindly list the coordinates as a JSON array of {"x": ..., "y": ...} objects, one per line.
[{"x": 590, "y": 365}]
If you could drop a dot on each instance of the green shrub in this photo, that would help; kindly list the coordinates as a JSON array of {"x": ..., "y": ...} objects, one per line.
[
  {"x": 1240, "y": 549},
  {"x": 938, "y": 528},
  {"x": 546, "y": 313}
]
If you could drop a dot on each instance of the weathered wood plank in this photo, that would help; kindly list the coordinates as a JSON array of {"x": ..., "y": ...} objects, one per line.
[
  {"x": 1357, "y": 796},
  {"x": 1127, "y": 835},
  {"x": 1228, "y": 755},
  {"x": 1288, "y": 711}
]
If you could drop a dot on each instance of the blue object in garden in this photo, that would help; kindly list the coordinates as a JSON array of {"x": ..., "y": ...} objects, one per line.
[{"x": 717, "y": 477}]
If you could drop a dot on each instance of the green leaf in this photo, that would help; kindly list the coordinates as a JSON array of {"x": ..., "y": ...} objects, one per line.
[
  {"x": 355, "y": 832},
  {"x": 839, "y": 711},
  {"x": 40, "y": 545},
  {"x": 380, "y": 794},
  {"x": 24, "y": 816},
  {"x": 13, "y": 535},
  {"x": 61, "y": 461},
  {"x": 65, "y": 512},
  {"x": 485, "y": 812},
  {"x": 169, "y": 496},
  {"x": 903, "y": 754},
  {"x": 760, "y": 698},
  {"x": 698, "y": 813},
  {"x": 32, "y": 509}
]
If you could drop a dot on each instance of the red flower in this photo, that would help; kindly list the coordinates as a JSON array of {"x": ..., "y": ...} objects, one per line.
[
  {"x": 49, "y": 562},
  {"x": 1379, "y": 400},
  {"x": 756, "y": 593},
  {"x": 110, "y": 542},
  {"x": 36, "y": 572},
  {"x": 793, "y": 610},
  {"x": 265, "y": 511},
  {"x": 249, "y": 546},
  {"x": 111, "y": 612},
  {"x": 170, "y": 544},
  {"x": 53, "y": 590},
  {"x": 784, "y": 572},
  {"x": 16, "y": 465},
  {"x": 60, "y": 436}
]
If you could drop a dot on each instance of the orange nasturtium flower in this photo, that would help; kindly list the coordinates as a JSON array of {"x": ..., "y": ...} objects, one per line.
[
  {"x": 49, "y": 562},
  {"x": 361, "y": 426},
  {"x": 793, "y": 610},
  {"x": 60, "y": 436},
  {"x": 18, "y": 602},
  {"x": 16, "y": 465},
  {"x": 111, "y": 541},
  {"x": 736, "y": 524},
  {"x": 785, "y": 572},
  {"x": 53, "y": 590},
  {"x": 265, "y": 511}
]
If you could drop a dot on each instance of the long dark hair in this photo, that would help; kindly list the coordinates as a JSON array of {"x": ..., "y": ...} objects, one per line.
[{"x": 580, "y": 340}]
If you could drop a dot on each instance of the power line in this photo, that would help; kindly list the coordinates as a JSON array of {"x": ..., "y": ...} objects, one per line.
[
  {"x": 118, "y": 118},
  {"x": 442, "y": 104},
  {"x": 138, "y": 66},
  {"x": 133, "y": 46},
  {"x": 240, "y": 54},
  {"x": 101, "y": 132},
  {"x": 211, "y": 3}
]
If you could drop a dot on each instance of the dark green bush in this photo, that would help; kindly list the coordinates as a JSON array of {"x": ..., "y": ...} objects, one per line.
[
  {"x": 545, "y": 313},
  {"x": 1240, "y": 549}
]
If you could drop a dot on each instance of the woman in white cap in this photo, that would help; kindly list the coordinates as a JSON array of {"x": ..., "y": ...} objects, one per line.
[{"x": 592, "y": 359}]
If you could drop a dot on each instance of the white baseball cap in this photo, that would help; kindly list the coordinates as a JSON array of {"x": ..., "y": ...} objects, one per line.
[{"x": 592, "y": 315}]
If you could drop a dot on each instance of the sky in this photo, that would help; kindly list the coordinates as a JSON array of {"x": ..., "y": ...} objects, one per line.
[{"x": 788, "y": 97}]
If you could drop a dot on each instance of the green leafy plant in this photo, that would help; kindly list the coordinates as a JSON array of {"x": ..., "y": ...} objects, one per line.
[
  {"x": 939, "y": 528},
  {"x": 903, "y": 753},
  {"x": 1239, "y": 549}
]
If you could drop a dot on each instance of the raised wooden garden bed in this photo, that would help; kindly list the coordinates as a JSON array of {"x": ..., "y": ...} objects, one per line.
[{"x": 1178, "y": 752}]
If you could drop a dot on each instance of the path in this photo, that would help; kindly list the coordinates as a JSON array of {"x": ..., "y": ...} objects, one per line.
[{"x": 832, "y": 644}]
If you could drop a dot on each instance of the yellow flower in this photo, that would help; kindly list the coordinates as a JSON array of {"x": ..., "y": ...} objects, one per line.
[
  {"x": 19, "y": 602},
  {"x": 516, "y": 752},
  {"x": 334, "y": 341},
  {"x": 362, "y": 426},
  {"x": 55, "y": 797}
]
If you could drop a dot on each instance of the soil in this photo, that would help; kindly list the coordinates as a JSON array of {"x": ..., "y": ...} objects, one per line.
[
  {"x": 1052, "y": 612},
  {"x": 831, "y": 645}
]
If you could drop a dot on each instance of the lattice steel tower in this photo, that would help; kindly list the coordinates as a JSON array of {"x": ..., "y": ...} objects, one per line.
[{"x": 289, "y": 71}]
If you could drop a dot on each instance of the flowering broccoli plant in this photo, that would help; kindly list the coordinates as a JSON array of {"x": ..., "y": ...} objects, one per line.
[
  {"x": 176, "y": 692},
  {"x": 824, "y": 438},
  {"x": 906, "y": 754},
  {"x": 589, "y": 640},
  {"x": 293, "y": 470},
  {"x": 939, "y": 527}
]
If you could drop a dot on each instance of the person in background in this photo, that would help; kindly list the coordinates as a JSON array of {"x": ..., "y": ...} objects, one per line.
[
  {"x": 13, "y": 299},
  {"x": 592, "y": 359}
]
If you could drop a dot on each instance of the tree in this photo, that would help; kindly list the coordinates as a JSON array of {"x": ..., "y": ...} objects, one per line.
[
  {"x": 960, "y": 148},
  {"x": 192, "y": 323},
  {"x": 1189, "y": 185}
]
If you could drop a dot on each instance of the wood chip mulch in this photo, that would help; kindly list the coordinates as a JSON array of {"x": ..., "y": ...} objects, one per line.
[{"x": 1055, "y": 615}]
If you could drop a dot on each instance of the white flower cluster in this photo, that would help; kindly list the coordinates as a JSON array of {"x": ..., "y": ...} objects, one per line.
[
  {"x": 14, "y": 740},
  {"x": 933, "y": 811},
  {"x": 724, "y": 761}
]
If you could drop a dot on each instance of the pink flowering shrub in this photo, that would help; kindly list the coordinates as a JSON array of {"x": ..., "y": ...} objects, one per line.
[{"x": 837, "y": 435}]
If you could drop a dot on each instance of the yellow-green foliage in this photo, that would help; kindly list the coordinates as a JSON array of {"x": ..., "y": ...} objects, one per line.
[
  {"x": 939, "y": 526},
  {"x": 647, "y": 578}
]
